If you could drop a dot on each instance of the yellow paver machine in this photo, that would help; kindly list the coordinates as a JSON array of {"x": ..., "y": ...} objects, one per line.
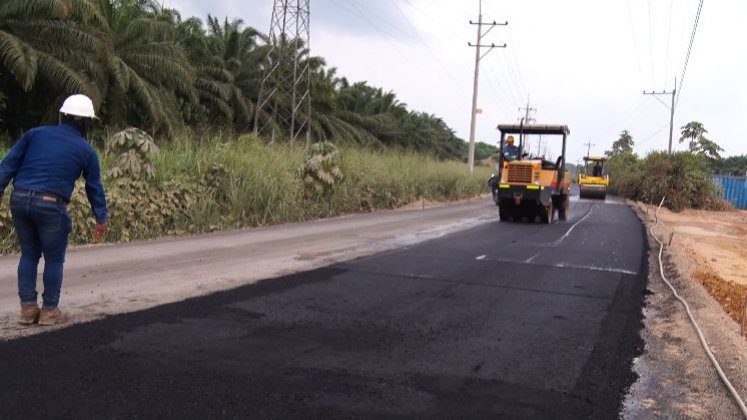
[
  {"x": 593, "y": 181},
  {"x": 530, "y": 187}
]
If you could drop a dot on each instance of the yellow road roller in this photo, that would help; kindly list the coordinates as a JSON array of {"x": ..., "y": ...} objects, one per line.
[
  {"x": 531, "y": 186},
  {"x": 594, "y": 180}
]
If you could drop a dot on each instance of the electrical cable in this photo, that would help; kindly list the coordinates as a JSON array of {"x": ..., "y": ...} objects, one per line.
[
  {"x": 703, "y": 342},
  {"x": 632, "y": 109},
  {"x": 689, "y": 49},
  {"x": 669, "y": 36},
  {"x": 510, "y": 81},
  {"x": 515, "y": 57},
  {"x": 651, "y": 42},
  {"x": 635, "y": 44},
  {"x": 386, "y": 37},
  {"x": 427, "y": 46},
  {"x": 654, "y": 134},
  {"x": 502, "y": 98},
  {"x": 505, "y": 88}
]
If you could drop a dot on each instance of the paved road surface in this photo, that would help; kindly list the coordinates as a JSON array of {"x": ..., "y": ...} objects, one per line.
[{"x": 503, "y": 319}]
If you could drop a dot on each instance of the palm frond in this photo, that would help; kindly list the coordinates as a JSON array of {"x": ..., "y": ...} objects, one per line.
[
  {"x": 119, "y": 72},
  {"x": 55, "y": 32},
  {"x": 159, "y": 68},
  {"x": 19, "y": 59},
  {"x": 216, "y": 101},
  {"x": 67, "y": 78},
  {"x": 46, "y": 8},
  {"x": 213, "y": 87}
]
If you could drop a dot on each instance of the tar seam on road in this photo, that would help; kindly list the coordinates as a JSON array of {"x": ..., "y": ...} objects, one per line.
[
  {"x": 468, "y": 283},
  {"x": 563, "y": 265},
  {"x": 592, "y": 268},
  {"x": 557, "y": 242},
  {"x": 703, "y": 342}
]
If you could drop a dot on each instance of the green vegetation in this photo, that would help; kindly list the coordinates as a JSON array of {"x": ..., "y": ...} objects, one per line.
[
  {"x": 146, "y": 66},
  {"x": 196, "y": 185},
  {"x": 684, "y": 178},
  {"x": 194, "y": 86},
  {"x": 733, "y": 166}
]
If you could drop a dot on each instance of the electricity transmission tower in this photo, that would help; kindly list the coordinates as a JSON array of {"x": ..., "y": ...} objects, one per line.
[
  {"x": 284, "y": 101},
  {"x": 478, "y": 57}
]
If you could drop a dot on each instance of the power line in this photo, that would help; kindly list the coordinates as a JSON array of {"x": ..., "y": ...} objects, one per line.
[
  {"x": 689, "y": 49},
  {"x": 650, "y": 41},
  {"x": 669, "y": 36},
  {"x": 501, "y": 96},
  {"x": 514, "y": 80},
  {"x": 653, "y": 134},
  {"x": 635, "y": 44},
  {"x": 513, "y": 52},
  {"x": 427, "y": 46},
  {"x": 386, "y": 37},
  {"x": 506, "y": 87},
  {"x": 631, "y": 110}
]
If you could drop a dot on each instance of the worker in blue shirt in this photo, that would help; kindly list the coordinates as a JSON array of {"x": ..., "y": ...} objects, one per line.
[
  {"x": 44, "y": 165},
  {"x": 510, "y": 151}
]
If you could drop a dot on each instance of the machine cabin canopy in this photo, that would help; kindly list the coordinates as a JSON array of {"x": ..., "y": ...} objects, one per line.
[{"x": 542, "y": 129}]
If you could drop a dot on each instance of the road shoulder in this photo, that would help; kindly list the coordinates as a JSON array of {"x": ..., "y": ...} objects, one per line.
[{"x": 676, "y": 378}]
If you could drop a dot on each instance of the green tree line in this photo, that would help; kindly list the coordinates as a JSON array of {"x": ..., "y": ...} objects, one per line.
[
  {"x": 684, "y": 178},
  {"x": 145, "y": 65}
]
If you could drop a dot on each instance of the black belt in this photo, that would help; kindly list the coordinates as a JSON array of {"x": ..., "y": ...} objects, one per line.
[{"x": 42, "y": 195}]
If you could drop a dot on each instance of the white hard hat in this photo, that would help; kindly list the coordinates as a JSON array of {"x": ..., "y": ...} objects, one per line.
[{"x": 78, "y": 105}]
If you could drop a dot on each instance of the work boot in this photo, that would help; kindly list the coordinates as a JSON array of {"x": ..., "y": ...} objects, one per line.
[
  {"x": 52, "y": 316},
  {"x": 29, "y": 314}
]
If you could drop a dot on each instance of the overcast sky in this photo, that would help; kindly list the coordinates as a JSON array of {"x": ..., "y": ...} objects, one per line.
[{"x": 584, "y": 63}]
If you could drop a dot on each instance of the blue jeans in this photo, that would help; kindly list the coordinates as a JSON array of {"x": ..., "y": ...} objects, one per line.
[{"x": 42, "y": 227}]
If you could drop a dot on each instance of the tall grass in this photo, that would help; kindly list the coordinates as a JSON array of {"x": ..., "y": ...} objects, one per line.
[{"x": 203, "y": 185}]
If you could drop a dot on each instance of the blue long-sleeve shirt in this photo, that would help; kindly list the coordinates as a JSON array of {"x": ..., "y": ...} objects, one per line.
[{"x": 50, "y": 159}]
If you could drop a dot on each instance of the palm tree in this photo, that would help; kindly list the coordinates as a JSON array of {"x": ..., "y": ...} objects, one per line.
[
  {"x": 144, "y": 69},
  {"x": 45, "y": 41},
  {"x": 227, "y": 62}
]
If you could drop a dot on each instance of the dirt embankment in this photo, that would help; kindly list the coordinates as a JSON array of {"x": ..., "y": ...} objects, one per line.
[{"x": 709, "y": 247}]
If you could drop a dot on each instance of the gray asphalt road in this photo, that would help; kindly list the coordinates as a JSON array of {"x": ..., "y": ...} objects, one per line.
[{"x": 506, "y": 319}]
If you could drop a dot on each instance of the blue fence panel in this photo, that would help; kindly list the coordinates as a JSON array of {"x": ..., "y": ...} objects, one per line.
[{"x": 735, "y": 190}]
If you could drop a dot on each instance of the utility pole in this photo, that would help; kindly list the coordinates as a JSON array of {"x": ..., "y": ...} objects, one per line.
[
  {"x": 284, "y": 101},
  {"x": 671, "y": 109},
  {"x": 528, "y": 120},
  {"x": 588, "y": 148},
  {"x": 528, "y": 109},
  {"x": 478, "y": 57}
]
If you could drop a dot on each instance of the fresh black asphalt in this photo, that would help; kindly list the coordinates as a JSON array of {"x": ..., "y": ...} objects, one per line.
[{"x": 508, "y": 320}]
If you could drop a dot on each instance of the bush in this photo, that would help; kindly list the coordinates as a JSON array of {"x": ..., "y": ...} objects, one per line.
[{"x": 683, "y": 178}]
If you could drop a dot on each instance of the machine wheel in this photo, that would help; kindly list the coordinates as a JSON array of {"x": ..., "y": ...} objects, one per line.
[
  {"x": 564, "y": 209},
  {"x": 546, "y": 215},
  {"x": 505, "y": 212}
]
